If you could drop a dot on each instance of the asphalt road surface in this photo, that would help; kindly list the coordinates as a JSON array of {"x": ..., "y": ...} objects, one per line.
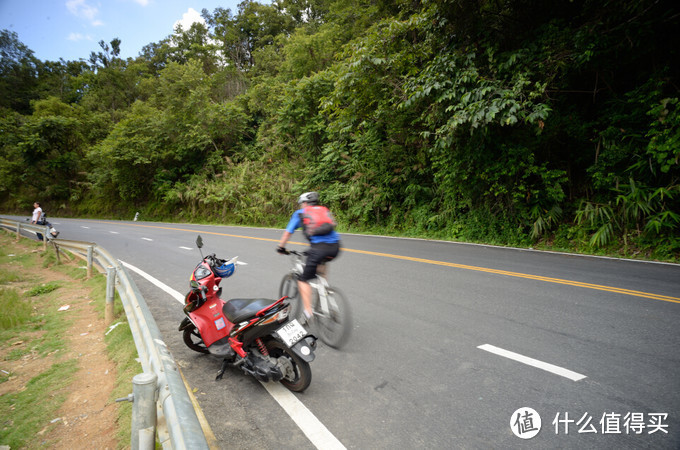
[{"x": 453, "y": 345}]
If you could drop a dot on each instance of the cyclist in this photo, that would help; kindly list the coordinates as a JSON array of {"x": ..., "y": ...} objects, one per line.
[{"x": 323, "y": 247}]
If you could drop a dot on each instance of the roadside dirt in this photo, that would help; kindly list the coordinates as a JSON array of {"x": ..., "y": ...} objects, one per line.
[{"x": 87, "y": 419}]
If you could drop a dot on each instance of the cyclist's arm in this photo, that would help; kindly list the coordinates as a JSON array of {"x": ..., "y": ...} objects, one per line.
[
  {"x": 284, "y": 238},
  {"x": 294, "y": 223}
]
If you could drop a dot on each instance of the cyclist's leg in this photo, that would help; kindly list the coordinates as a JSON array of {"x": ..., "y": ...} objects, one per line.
[
  {"x": 330, "y": 251},
  {"x": 322, "y": 268},
  {"x": 314, "y": 257},
  {"x": 305, "y": 290}
]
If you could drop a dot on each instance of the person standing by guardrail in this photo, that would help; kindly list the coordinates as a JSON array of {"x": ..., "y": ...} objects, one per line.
[{"x": 37, "y": 215}]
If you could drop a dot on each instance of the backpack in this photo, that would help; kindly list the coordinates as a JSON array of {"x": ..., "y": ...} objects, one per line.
[{"x": 317, "y": 220}]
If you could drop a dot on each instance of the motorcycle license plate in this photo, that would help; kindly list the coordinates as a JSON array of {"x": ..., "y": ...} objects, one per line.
[{"x": 291, "y": 332}]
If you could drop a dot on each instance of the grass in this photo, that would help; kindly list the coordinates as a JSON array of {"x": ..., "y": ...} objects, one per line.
[
  {"x": 9, "y": 276},
  {"x": 43, "y": 289},
  {"x": 27, "y": 412},
  {"x": 34, "y": 321},
  {"x": 15, "y": 311},
  {"x": 29, "y": 317},
  {"x": 121, "y": 348}
]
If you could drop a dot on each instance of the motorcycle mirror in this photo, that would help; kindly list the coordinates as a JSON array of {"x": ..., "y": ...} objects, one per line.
[
  {"x": 199, "y": 244},
  {"x": 194, "y": 284}
]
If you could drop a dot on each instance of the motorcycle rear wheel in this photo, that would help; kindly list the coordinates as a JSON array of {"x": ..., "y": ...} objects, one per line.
[
  {"x": 302, "y": 376},
  {"x": 193, "y": 340}
]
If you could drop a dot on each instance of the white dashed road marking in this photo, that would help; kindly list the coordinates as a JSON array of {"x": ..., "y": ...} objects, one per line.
[{"x": 557, "y": 370}]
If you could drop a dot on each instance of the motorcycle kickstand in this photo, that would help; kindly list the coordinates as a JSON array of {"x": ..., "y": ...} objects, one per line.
[{"x": 225, "y": 364}]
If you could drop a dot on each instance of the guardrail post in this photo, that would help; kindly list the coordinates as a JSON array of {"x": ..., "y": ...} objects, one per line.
[
  {"x": 18, "y": 231},
  {"x": 143, "y": 411},
  {"x": 56, "y": 251},
  {"x": 47, "y": 233},
  {"x": 89, "y": 261},
  {"x": 110, "y": 292}
]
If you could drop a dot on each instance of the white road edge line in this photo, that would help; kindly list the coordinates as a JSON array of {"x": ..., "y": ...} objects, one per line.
[
  {"x": 557, "y": 370},
  {"x": 312, "y": 427},
  {"x": 147, "y": 239},
  {"x": 159, "y": 284},
  {"x": 315, "y": 431},
  {"x": 185, "y": 248}
]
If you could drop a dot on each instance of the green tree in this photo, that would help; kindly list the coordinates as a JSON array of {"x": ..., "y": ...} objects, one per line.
[
  {"x": 18, "y": 73},
  {"x": 195, "y": 43},
  {"x": 112, "y": 85},
  {"x": 51, "y": 149},
  {"x": 254, "y": 27},
  {"x": 12, "y": 165}
]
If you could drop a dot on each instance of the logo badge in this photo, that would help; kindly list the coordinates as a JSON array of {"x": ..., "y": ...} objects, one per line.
[{"x": 525, "y": 423}]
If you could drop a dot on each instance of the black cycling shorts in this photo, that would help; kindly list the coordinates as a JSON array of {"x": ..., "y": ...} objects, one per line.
[{"x": 318, "y": 254}]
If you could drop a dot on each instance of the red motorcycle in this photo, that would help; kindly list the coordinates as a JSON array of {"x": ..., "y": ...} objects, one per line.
[{"x": 255, "y": 334}]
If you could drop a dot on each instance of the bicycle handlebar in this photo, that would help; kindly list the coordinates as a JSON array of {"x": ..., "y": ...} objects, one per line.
[{"x": 292, "y": 252}]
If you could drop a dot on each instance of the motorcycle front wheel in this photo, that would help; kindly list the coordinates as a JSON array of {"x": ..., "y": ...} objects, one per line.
[
  {"x": 193, "y": 340},
  {"x": 299, "y": 375}
]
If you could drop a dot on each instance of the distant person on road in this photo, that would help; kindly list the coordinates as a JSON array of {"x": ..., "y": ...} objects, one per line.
[
  {"x": 319, "y": 228},
  {"x": 36, "y": 219}
]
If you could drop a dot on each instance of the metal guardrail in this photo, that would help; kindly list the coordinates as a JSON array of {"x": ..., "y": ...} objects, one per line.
[{"x": 176, "y": 422}]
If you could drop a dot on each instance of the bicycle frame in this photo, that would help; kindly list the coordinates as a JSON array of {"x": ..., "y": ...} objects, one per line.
[
  {"x": 320, "y": 283},
  {"x": 332, "y": 317}
]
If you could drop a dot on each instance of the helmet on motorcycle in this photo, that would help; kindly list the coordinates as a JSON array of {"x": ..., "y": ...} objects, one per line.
[
  {"x": 225, "y": 270},
  {"x": 309, "y": 197}
]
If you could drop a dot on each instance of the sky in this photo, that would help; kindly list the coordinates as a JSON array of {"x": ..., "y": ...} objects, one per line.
[{"x": 72, "y": 29}]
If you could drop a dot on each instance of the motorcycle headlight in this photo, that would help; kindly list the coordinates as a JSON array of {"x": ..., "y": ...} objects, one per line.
[{"x": 201, "y": 272}]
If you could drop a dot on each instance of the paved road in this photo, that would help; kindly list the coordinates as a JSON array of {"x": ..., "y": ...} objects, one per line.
[{"x": 449, "y": 342}]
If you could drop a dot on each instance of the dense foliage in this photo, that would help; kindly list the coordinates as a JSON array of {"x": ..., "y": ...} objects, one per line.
[{"x": 500, "y": 121}]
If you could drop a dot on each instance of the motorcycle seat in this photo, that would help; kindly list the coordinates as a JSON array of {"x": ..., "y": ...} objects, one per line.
[{"x": 241, "y": 309}]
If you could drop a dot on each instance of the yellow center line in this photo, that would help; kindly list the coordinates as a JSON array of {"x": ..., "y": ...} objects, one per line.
[
  {"x": 598, "y": 287},
  {"x": 665, "y": 298}
]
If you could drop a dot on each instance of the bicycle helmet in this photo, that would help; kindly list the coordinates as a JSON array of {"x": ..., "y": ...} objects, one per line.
[
  {"x": 309, "y": 197},
  {"x": 226, "y": 269}
]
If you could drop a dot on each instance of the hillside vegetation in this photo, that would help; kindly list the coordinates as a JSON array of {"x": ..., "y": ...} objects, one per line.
[{"x": 513, "y": 122}]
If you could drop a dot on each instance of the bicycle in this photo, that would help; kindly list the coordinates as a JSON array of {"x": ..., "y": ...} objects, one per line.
[{"x": 332, "y": 319}]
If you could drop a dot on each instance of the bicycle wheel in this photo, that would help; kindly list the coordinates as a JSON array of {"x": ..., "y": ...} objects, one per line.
[
  {"x": 289, "y": 287},
  {"x": 334, "y": 325}
]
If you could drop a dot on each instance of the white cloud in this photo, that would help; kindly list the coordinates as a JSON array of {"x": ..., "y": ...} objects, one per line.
[
  {"x": 188, "y": 18},
  {"x": 78, "y": 37},
  {"x": 80, "y": 8},
  {"x": 142, "y": 2}
]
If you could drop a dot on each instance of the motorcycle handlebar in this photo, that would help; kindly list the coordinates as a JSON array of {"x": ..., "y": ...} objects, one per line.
[{"x": 213, "y": 260}]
